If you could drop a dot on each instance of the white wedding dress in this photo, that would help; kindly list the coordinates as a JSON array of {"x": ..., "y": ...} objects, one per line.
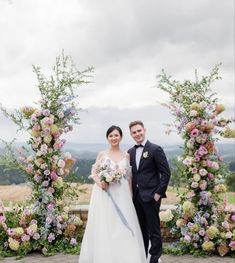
[{"x": 107, "y": 239}]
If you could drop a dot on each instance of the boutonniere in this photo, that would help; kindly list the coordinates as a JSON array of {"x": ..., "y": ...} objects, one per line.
[{"x": 145, "y": 155}]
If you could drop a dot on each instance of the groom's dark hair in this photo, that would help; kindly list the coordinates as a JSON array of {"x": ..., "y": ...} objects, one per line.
[{"x": 133, "y": 123}]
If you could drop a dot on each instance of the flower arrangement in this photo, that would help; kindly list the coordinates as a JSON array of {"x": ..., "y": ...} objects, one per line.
[
  {"x": 109, "y": 174},
  {"x": 45, "y": 225},
  {"x": 198, "y": 120}
]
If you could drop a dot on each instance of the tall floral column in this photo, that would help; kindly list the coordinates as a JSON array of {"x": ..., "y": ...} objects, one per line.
[
  {"x": 203, "y": 227},
  {"x": 45, "y": 225}
]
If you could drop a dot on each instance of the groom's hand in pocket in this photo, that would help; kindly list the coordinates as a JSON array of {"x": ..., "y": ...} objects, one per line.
[{"x": 157, "y": 197}]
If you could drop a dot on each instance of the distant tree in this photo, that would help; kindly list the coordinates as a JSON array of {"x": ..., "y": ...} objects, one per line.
[
  {"x": 232, "y": 166},
  {"x": 230, "y": 182},
  {"x": 178, "y": 177}
]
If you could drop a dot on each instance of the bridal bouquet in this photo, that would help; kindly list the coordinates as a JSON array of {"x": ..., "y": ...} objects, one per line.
[{"x": 109, "y": 174}]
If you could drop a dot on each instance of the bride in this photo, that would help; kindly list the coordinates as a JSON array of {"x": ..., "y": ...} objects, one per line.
[{"x": 112, "y": 233}]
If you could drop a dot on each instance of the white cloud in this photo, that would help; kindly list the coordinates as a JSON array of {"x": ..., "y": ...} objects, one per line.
[{"x": 128, "y": 42}]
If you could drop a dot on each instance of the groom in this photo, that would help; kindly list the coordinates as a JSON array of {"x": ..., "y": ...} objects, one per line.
[{"x": 151, "y": 175}]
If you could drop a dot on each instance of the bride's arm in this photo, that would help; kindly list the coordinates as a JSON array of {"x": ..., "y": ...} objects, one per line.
[{"x": 94, "y": 175}]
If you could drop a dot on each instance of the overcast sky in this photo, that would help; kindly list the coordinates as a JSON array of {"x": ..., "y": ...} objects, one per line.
[{"x": 128, "y": 42}]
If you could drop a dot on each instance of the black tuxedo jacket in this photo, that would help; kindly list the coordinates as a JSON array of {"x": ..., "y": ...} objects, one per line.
[{"x": 153, "y": 174}]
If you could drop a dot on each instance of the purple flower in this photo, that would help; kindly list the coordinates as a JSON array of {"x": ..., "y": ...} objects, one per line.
[
  {"x": 46, "y": 112},
  {"x": 233, "y": 218},
  {"x": 225, "y": 224},
  {"x": 50, "y": 206},
  {"x": 51, "y": 237},
  {"x": 210, "y": 176},
  {"x": 209, "y": 163},
  {"x": 206, "y": 215},
  {"x": 33, "y": 222},
  {"x": 45, "y": 183},
  {"x": 204, "y": 198},
  {"x": 202, "y": 232},
  {"x": 232, "y": 245},
  {"x": 25, "y": 238},
  {"x": 29, "y": 231},
  {"x": 10, "y": 232},
  {"x": 46, "y": 172}
]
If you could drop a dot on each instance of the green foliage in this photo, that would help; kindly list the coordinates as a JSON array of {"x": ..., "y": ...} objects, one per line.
[
  {"x": 232, "y": 166},
  {"x": 81, "y": 171},
  {"x": 175, "y": 248},
  {"x": 230, "y": 182},
  {"x": 178, "y": 175}
]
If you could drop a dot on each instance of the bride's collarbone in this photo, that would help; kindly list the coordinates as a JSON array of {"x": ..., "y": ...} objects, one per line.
[{"x": 116, "y": 158}]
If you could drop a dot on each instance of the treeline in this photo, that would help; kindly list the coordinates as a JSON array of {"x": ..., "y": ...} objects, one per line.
[{"x": 82, "y": 170}]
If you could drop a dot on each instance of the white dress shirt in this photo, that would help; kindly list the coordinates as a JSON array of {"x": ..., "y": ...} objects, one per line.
[{"x": 138, "y": 155}]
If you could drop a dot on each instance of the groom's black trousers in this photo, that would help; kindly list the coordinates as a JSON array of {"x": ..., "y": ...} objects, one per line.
[{"x": 148, "y": 215}]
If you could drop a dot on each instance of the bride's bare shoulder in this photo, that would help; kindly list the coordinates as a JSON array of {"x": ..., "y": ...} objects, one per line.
[
  {"x": 100, "y": 155},
  {"x": 127, "y": 155}
]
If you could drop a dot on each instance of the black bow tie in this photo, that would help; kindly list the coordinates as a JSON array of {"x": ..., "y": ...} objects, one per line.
[{"x": 138, "y": 145}]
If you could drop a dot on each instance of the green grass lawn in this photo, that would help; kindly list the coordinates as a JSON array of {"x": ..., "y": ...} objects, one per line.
[
  {"x": 6, "y": 203},
  {"x": 230, "y": 196}
]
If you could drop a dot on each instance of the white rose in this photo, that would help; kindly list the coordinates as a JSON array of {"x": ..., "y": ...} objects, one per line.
[{"x": 193, "y": 113}]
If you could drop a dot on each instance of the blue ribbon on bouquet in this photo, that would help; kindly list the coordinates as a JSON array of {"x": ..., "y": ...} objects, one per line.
[{"x": 122, "y": 217}]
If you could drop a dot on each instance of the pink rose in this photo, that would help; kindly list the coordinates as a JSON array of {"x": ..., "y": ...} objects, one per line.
[
  {"x": 194, "y": 133},
  {"x": 50, "y": 206},
  {"x": 210, "y": 176},
  {"x": 54, "y": 176},
  {"x": 36, "y": 127}
]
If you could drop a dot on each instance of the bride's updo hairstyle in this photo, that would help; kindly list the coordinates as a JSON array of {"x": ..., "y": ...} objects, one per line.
[{"x": 112, "y": 128}]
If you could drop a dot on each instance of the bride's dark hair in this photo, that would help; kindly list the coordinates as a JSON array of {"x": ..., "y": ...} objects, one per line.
[{"x": 112, "y": 128}]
